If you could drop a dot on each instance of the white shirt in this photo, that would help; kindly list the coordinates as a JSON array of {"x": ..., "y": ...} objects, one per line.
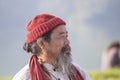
[{"x": 24, "y": 74}]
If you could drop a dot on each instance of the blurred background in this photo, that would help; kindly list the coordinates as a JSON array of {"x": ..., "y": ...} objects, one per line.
[{"x": 92, "y": 25}]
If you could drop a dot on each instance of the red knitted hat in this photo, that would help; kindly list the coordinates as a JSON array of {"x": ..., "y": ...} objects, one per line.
[{"x": 40, "y": 25}]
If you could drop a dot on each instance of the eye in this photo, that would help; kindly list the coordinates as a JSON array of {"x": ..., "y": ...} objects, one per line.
[{"x": 67, "y": 36}]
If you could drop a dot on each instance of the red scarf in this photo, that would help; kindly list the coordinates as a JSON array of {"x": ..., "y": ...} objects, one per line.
[{"x": 37, "y": 73}]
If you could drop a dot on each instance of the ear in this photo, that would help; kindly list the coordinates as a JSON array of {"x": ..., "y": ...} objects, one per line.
[{"x": 41, "y": 43}]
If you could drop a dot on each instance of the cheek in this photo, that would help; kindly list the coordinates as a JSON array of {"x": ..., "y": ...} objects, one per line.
[{"x": 58, "y": 47}]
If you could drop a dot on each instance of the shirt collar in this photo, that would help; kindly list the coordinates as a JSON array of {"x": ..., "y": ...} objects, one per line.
[{"x": 48, "y": 66}]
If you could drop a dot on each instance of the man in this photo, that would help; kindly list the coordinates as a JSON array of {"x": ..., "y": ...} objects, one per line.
[
  {"x": 47, "y": 41},
  {"x": 111, "y": 56}
]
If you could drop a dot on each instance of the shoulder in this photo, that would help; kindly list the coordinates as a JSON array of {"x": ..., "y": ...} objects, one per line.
[
  {"x": 82, "y": 71},
  {"x": 23, "y": 74}
]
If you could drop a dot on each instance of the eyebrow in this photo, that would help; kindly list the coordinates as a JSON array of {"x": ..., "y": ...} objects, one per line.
[{"x": 63, "y": 32}]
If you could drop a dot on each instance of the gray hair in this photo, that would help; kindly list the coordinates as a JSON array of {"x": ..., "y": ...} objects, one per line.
[{"x": 32, "y": 48}]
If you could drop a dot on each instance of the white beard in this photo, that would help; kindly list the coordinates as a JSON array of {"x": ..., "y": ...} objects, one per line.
[{"x": 63, "y": 63}]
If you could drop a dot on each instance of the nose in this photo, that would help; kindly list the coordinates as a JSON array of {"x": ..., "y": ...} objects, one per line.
[{"x": 67, "y": 42}]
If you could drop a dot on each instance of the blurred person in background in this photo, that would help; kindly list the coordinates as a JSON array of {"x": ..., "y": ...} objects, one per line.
[
  {"x": 47, "y": 42},
  {"x": 111, "y": 56}
]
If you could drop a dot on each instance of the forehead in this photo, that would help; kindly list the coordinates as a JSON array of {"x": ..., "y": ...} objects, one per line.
[{"x": 59, "y": 30}]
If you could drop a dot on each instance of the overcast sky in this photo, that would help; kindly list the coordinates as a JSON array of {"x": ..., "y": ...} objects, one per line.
[{"x": 92, "y": 25}]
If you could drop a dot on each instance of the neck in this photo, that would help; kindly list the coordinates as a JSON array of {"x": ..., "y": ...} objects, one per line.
[{"x": 45, "y": 59}]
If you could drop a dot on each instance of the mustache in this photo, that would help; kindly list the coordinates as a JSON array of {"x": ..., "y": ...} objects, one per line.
[{"x": 66, "y": 48}]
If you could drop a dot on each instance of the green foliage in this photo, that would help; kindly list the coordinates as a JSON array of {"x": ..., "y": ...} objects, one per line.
[
  {"x": 5, "y": 78},
  {"x": 112, "y": 74}
]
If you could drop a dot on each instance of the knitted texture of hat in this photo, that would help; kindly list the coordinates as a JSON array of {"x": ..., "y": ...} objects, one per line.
[{"x": 40, "y": 25}]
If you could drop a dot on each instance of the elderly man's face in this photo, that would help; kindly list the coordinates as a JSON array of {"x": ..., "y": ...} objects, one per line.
[
  {"x": 59, "y": 42},
  {"x": 58, "y": 50}
]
